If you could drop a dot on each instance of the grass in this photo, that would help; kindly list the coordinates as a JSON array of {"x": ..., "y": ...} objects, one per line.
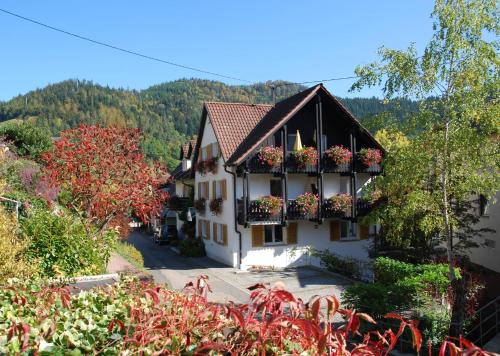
[{"x": 131, "y": 254}]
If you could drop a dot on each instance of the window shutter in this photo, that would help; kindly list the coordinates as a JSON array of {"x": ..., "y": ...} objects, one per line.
[
  {"x": 224, "y": 234},
  {"x": 257, "y": 235},
  {"x": 291, "y": 234},
  {"x": 364, "y": 231},
  {"x": 214, "y": 189},
  {"x": 209, "y": 151},
  {"x": 223, "y": 186},
  {"x": 215, "y": 232},
  {"x": 199, "y": 190},
  {"x": 215, "y": 149},
  {"x": 208, "y": 229},
  {"x": 334, "y": 230},
  {"x": 206, "y": 193}
]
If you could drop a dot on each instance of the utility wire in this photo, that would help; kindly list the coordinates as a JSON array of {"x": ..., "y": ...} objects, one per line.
[
  {"x": 135, "y": 53},
  {"x": 122, "y": 49}
]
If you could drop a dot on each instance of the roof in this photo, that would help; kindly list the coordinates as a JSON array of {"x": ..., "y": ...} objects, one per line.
[
  {"x": 233, "y": 122},
  {"x": 240, "y": 128}
]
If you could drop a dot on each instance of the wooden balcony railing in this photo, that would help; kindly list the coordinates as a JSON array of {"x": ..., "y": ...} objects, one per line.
[
  {"x": 329, "y": 166},
  {"x": 294, "y": 212},
  {"x": 328, "y": 212},
  {"x": 255, "y": 214},
  {"x": 256, "y": 166}
]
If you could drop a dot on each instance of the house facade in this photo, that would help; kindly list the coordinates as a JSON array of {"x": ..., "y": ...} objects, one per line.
[{"x": 274, "y": 181}]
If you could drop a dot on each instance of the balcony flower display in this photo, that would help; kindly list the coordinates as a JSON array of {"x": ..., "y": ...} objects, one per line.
[
  {"x": 215, "y": 206},
  {"x": 209, "y": 165},
  {"x": 270, "y": 156},
  {"x": 305, "y": 156},
  {"x": 306, "y": 204},
  {"x": 339, "y": 154},
  {"x": 338, "y": 204},
  {"x": 370, "y": 156},
  {"x": 199, "y": 205},
  {"x": 269, "y": 204},
  {"x": 201, "y": 167}
]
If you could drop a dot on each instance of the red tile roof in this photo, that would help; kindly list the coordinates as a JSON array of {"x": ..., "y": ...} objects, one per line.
[{"x": 233, "y": 122}]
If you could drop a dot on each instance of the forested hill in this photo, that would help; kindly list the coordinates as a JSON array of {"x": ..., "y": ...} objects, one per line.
[{"x": 167, "y": 113}]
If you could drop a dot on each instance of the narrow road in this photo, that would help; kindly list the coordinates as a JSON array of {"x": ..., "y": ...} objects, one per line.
[{"x": 168, "y": 267}]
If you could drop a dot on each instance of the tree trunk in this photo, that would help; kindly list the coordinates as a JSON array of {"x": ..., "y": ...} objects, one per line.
[
  {"x": 459, "y": 287},
  {"x": 444, "y": 187}
]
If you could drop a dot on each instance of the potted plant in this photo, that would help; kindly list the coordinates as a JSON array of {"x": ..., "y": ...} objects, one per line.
[
  {"x": 370, "y": 156},
  {"x": 270, "y": 156},
  {"x": 305, "y": 156},
  {"x": 201, "y": 167},
  {"x": 338, "y": 204},
  {"x": 305, "y": 204},
  {"x": 211, "y": 164},
  {"x": 215, "y": 206},
  {"x": 269, "y": 204},
  {"x": 199, "y": 205},
  {"x": 339, "y": 155}
]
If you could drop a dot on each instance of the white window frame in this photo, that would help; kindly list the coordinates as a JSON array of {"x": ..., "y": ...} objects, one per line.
[
  {"x": 220, "y": 234},
  {"x": 274, "y": 242}
]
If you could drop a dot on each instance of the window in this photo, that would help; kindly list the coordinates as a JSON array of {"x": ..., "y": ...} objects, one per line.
[
  {"x": 215, "y": 149},
  {"x": 273, "y": 234},
  {"x": 204, "y": 153},
  {"x": 348, "y": 230},
  {"x": 483, "y": 205},
  {"x": 218, "y": 233},
  {"x": 202, "y": 229},
  {"x": 275, "y": 187},
  {"x": 344, "y": 185},
  {"x": 324, "y": 143},
  {"x": 219, "y": 190}
]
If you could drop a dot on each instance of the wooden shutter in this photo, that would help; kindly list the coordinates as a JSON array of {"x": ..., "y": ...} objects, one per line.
[
  {"x": 215, "y": 149},
  {"x": 199, "y": 190},
  {"x": 209, "y": 151},
  {"x": 364, "y": 231},
  {"x": 208, "y": 229},
  {"x": 206, "y": 190},
  {"x": 215, "y": 232},
  {"x": 257, "y": 235},
  {"x": 291, "y": 233},
  {"x": 334, "y": 230},
  {"x": 224, "y": 234},
  {"x": 223, "y": 188},
  {"x": 214, "y": 189}
]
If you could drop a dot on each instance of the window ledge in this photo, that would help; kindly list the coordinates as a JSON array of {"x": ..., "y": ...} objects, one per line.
[{"x": 348, "y": 239}]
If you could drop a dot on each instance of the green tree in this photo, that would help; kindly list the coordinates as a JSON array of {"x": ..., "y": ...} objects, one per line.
[{"x": 456, "y": 154}]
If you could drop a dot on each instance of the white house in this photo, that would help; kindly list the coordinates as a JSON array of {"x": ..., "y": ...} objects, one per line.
[{"x": 232, "y": 180}]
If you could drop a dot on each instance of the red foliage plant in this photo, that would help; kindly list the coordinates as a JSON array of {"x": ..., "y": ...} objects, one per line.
[
  {"x": 161, "y": 321},
  {"x": 105, "y": 173}
]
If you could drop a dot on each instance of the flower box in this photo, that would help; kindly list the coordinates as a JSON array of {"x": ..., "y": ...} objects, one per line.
[
  {"x": 304, "y": 205},
  {"x": 370, "y": 157},
  {"x": 200, "y": 205},
  {"x": 339, "y": 155},
  {"x": 339, "y": 204},
  {"x": 270, "y": 156},
  {"x": 215, "y": 206},
  {"x": 269, "y": 204},
  {"x": 307, "y": 156}
]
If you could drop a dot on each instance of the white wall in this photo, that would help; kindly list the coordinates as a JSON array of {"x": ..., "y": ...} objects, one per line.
[
  {"x": 309, "y": 234},
  {"x": 225, "y": 254},
  {"x": 489, "y": 255}
]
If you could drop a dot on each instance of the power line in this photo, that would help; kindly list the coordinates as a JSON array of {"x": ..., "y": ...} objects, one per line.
[{"x": 104, "y": 44}]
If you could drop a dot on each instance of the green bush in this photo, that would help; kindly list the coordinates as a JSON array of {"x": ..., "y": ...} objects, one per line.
[
  {"x": 27, "y": 139},
  {"x": 130, "y": 253},
  {"x": 61, "y": 244},
  {"x": 192, "y": 247},
  {"x": 346, "y": 266}
]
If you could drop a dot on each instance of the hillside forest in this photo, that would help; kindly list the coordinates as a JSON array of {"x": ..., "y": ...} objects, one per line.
[{"x": 167, "y": 113}]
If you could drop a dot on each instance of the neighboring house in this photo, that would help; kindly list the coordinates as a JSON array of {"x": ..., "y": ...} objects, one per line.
[
  {"x": 242, "y": 234},
  {"x": 488, "y": 252},
  {"x": 183, "y": 180}
]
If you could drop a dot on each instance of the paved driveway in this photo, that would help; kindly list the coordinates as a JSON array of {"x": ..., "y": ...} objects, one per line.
[{"x": 229, "y": 284}]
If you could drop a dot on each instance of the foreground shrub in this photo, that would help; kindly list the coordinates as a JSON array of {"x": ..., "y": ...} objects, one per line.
[
  {"x": 61, "y": 244},
  {"x": 27, "y": 139},
  {"x": 192, "y": 247},
  {"x": 140, "y": 318},
  {"x": 13, "y": 247}
]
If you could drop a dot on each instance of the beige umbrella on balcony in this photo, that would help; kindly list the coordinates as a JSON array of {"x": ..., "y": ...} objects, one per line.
[{"x": 297, "y": 146}]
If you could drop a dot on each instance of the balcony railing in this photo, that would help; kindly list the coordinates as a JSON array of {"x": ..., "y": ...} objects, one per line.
[
  {"x": 362, "y": 168},
  {"x": 293, "y": 167},
  {"x": 294, "y": 212},
  {"x": 256, "y": 215},
  {"x": 256, "y": 166},
  {"x": 329, "y": 166},
  {"x": 328, "y": 212},
  {"x": 363, "y": 207}
]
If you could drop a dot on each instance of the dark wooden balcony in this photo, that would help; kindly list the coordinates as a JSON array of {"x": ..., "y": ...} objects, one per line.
[
  {"x": 328, "y": 212},
  {"x": 179, "y": 204},
  {"x": 363, "y": 207},
  {"x": 328, "y": 166},
  {"x": 255, "y": 215},
  {"x": 293, "y": 212},
  {"x": 256, "y": 166},
  {"x": 293, "y": 167},
  {"x": 373, "y": 170}
]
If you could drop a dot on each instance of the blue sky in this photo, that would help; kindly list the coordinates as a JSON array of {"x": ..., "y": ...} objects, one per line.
[{"x": 255, "y": 40}]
